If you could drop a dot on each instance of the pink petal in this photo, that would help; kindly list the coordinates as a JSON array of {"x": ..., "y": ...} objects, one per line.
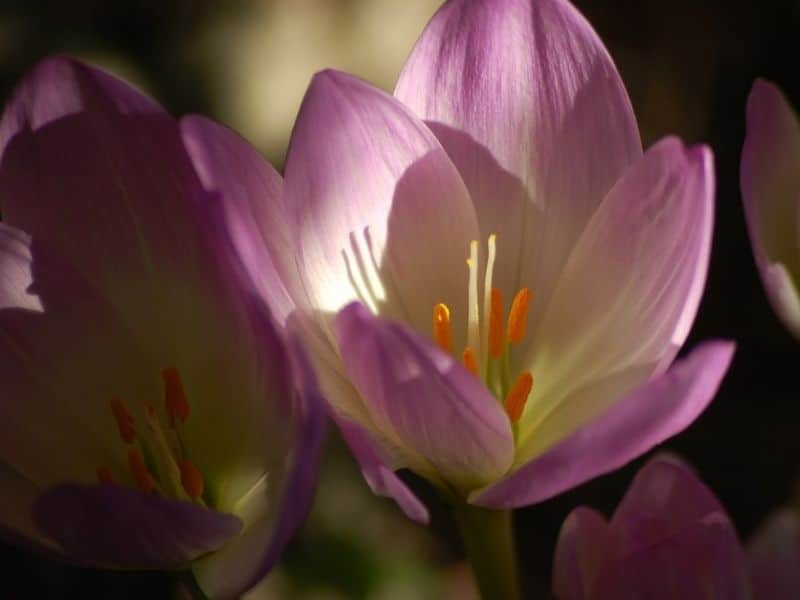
[
  {"x": 46, "y": 377},
  {"x": 669, "y": 538},
  {"x": 251, "y": 193},
  {"x": 381, "y": 479},
  {"x": 246, "y": 559},
  {"x": 669, "y": 489},
  {"x": 630, "y": 290},
  {"x": 584, "y": 544},
  {"x": 421, "y": 397},
  {"x": 98, "y": 172},
  {"x": 770, "y": 180},
  {"x": 111, "y": 526},
  {"x": 650, "y": 414},
  {"x": 528, "y": 103},
  {"x": 774, "y": 556},
  {"x": 704, "y": 561},
  {"x": 380, "y": 213}
]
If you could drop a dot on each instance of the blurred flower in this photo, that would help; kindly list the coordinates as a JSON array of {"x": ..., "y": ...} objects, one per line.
[
  {"x": 119, "y": 289},
  {"x": 596, "y": 256},
  {"x": 770, "y": 179},
  {"x": 668, "y": 538},
  {"x": 774, "y": 556}
]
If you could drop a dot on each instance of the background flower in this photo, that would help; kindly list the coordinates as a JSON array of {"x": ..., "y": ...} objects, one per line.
[
  {"x": 152, "y": 415},
  {"x": 668, "y": 538}
]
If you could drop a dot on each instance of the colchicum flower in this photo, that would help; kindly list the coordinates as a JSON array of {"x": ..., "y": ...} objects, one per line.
[
  {"x": 492, "y": 276},
  {"x": 668, "y": 538},
  {"x": 770, "y": 180},
  {"x": 152, "y": 417}
]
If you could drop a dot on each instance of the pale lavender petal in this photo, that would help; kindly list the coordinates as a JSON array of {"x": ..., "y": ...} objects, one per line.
[
  {"x": 649, "y": 415},
  {"x": 669, "y": 489},
  {"x": 250, "y": 556},
  {"x": 98, "y": 173},
  {"x": 424, "y": 399},
  {"x": 703, "y": 561},
  {"x": 381, "y": 479},
  {"x": 60, "y": 86},
  {"x": 584, "y": 544},
  {"x": 770, "y": 180},
  {"x": 379, "y": 212},
  {"x": 524, "y": 90},
  {"x": 46, "y": 378},
  {"x": 250, "y": 190},
  {"x": 111, "y": 526},
  {"x": 631, "y": 288},
  {"x": 774, "y": 557}
]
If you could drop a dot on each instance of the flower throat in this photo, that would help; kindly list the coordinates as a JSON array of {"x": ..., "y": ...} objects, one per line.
[{"x": 489, "y": 337}]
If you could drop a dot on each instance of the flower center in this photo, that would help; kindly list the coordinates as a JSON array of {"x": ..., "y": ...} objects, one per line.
[
  {"x": 489, "y": 336},
  {"x": 157, "y": 458}
]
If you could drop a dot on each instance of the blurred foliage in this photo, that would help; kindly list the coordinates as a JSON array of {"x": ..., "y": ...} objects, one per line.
[{"x": 688, "y": 66}]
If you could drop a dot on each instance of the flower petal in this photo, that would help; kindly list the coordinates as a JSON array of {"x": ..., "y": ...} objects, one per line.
[
  {"x": 584, "y": 543},
  {"x": 525, "y": 90},
  {"x": 650, "y": 414},
  {"x": 112, "y": 526},
  {"x": 630, "y": 290},
  {"x": 379, "y": 212},
  {"x": 59, "y": 86},
  {"x": 425, "y": 401},
  {"x": 773, "y": 554},
  {"x": 770, "y": 182},
  {"x": 381, "y": 479},
  {"x": 703, "y": 561},
  {"x": 669, "y": 489},
  {"x": 46, "y": 378},
  {"x": 251, "y": 193},
  {"x": 247, "y": 558}
]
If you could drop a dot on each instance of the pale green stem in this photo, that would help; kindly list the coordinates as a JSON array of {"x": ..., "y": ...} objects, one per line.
[{"x": 488, "y": 539}]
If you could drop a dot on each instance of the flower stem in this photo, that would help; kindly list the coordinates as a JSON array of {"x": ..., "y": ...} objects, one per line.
[{"x": 489, "y": 542}]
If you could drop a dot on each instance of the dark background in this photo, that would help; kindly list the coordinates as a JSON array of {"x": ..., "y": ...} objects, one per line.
[{"x": 688, "y": 66}]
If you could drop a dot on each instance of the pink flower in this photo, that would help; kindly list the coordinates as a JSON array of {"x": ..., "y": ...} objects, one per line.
[
  {"x": 541, "y": 361},
  {"x": 668, "y": 538},
  {"x": 770, "y": 179},
  {"x": 151, "y": 415}
]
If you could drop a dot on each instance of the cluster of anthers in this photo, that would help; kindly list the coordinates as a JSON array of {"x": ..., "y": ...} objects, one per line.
[
  {"x": 489, "y": 339},
  {"x": 157, "y": 459}
]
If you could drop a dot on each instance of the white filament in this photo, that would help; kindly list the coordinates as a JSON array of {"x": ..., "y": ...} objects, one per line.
[{"x": 473, "y": 324}]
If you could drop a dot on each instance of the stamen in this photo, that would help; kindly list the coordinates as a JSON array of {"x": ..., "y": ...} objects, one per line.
[
  {"x": 124, "y": 421},
  {"x": 491, "y": 247},
  {"x": 144, "y": 480},
  {"x": 496, "y": 324},
  {"x": 518, "y": 396},
  {"x": 518, "y": 316},
  {"x": 473, "y": 323},
  {"x": 104, "y": 475},
  {"x": 191, "y": 479},
  {"x": 174, "y": 396},
  {"x": 470, "y": 362},
  {"x": 442, "y": 330}
]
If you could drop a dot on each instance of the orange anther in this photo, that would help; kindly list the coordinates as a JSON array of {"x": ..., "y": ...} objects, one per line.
[
  {"x": 191, "y": 479},
  {"x": 144, "y": 480},
  {"x": 124, "y": 420},
  {"x": 518, "y": 396},
  {"x": 174, "y": 396},
  {"x": 442, "y": 330},
  {"x": 469, "y": 361},
  {"x": 518, "y": 316},
  {"x": 104, "y": 475},
  {"x": 496, "y": 324}
]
